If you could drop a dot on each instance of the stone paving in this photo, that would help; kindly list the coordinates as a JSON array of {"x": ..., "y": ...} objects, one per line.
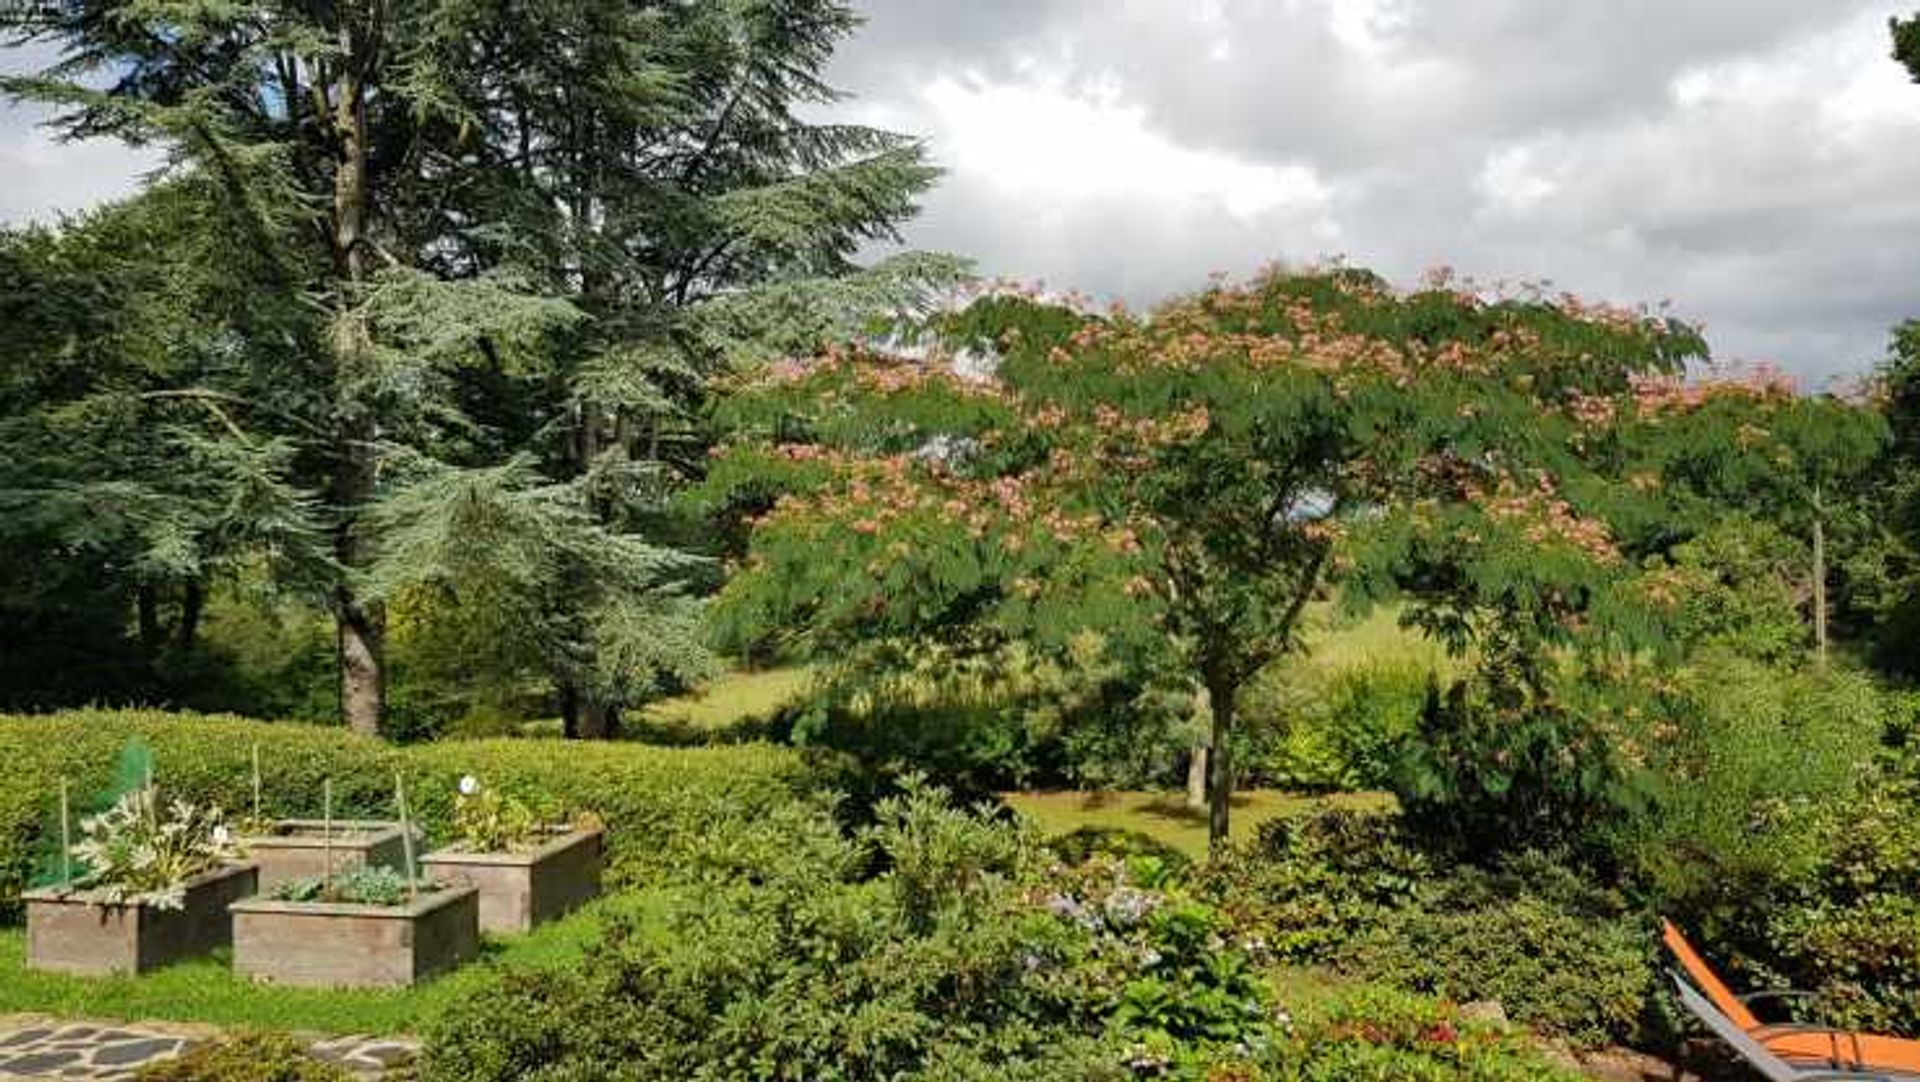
[{"x": 33, "y": 1046}]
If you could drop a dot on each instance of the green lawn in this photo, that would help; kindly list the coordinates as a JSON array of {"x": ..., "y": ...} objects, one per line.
[
  {"x": 733, "y": 699},
  {"x": 206, "y": 990},
  {"x": 1165, "y": 816}
]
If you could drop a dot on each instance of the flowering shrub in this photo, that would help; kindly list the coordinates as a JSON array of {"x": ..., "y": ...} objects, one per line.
[
  {"x": 488, "y": 821},
  {"x": 133, "y": 855},
  {"x": 1183, "y": 484}
]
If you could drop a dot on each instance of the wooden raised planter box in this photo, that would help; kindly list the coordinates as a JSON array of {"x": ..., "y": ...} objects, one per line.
[
  {"x": 297, "y": 850},
  {"x": 521, "y": 890},
  {"x": 342, "y": 945},
  {"x": 69, "y": 932}
]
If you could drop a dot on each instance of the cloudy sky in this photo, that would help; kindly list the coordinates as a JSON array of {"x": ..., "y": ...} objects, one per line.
[{"x": 1756, "y": 161}]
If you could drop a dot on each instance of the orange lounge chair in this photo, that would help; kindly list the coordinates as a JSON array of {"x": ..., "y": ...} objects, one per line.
[{"x": 1840, "y": 1049}]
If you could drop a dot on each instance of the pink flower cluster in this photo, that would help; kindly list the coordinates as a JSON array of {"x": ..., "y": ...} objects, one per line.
[{"x": 1544, "y": 517}]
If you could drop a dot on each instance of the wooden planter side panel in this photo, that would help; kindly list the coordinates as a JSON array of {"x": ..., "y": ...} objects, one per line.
[
  {"x": 90, "y": 939},
  {"x": 332, "y": 949},
  {"x": 302, "y": 857},
  {"x": 519, "y": 892}
]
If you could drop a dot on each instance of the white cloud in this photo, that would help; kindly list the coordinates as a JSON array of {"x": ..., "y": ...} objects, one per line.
[{"x": 1045, "y": 143}]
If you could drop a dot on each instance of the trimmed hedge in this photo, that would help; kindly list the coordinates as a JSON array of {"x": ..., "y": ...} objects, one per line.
[{"x": 673, "y": 814}]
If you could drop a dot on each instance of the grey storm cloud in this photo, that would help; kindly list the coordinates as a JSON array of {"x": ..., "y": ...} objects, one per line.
[{"x": 1755, "y": 161}]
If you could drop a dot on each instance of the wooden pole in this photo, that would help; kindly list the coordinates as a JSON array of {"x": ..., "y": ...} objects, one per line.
[
  {"x": 326, "y": 830},
  {"x": 1819, "y": 579},
  {"x": 256, "y": 785},
  {"x": 66, "y": 837},
  {"x": 406, "y": 832}
]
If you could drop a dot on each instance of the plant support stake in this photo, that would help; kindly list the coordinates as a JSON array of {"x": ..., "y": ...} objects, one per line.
[
  {"x": 406, "y": 834},
  {"x": 326, "y": 831},
  {"x": 66, "y": 838},
  {"x": 256, "y": 785}
]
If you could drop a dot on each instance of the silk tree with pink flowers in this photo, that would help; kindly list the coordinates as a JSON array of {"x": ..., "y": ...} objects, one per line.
[{"x": 1184, "y": 484}]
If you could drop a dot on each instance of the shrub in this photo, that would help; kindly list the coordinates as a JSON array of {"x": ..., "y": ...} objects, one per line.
[
  {"x": 1371, "y": 1034},
  {"x": 1082, "y": 845},
  {"x": 1576, "y": 969},
  {"x": 1311, "y": 882},
  {"x": 934, "y": 945},
  {"x": 246, "y": 1058},
  {"x": 1355, "y": 893},
  {"x": 1742, "y": 763},
  {"x": 1330, "y": 729},
  {"x": 672, "y": 814}
]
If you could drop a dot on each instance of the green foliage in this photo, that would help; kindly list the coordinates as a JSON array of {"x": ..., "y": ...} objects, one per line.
[
  {"x": 1736, "y": 587},
  {"x": 425, "y": 317},
  {"x": 357, "y": 886},
  {"x": 1311, "y": 883},
  {"x": 132, "y": 854},
  {"x": 1357, "y": 893},
  {"x": 1371, "y": 1034},
  {"x": 1743, "y": 763},
  {"x": 254, "y": 1057},
  {"x": 672, "y": 815},
  {"x": 1842, "y": 924},
  {"x": 1332, "y": 729},
  {"x": 1906, "y": 43},
  {"x": 959, "y": 959},
  {"x": 1556, "y": 954},
  {"x": 1493, "y": 769},
  {"x": 1009, "y": 716},
  {"x": 488, "y": 821},
  {"x": 1182, "y": 485},
  {"x": 1146, "y": 856}
]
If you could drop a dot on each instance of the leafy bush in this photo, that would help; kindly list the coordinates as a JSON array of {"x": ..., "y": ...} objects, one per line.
[
  {"x": 1565, "y": 960},
  {"x": 1310, "y": 883},
  {"x": 1740, "y": 764},
  {"x": 1082, "y": 845},
  {"x": 247, "y": 1058},
  {"x": 935, "y": 945},
  {"x": 1497, "y": 766},
  {"x": 1326, "y": 729},
  {"x": 356, "y": 886},
  {"x": 1370, "y": 1034},
  {"x": 129, "y": 854},
  {"x": 488, "y": 821},
  {"x": 1000, "y": 716},
  {"x": 673, "y": 815},
  {"x": 1356, "y": 893}
]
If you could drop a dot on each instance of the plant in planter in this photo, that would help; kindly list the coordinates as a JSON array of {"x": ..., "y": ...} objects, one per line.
[
  {"x": 154, "y": 889},
  {"x": 527, "y": 871},
  {"x": 367, "y": 926}
]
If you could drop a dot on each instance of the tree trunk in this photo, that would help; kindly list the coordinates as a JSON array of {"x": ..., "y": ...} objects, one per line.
[
  {"x": 569, "y": 712},
  {"x": 1819, "y": 581},
  {"x": 360, "y": 623},
  {"x": 598, "y": 720},
  {"x": 1197, "y": 778},
  {"x": 146, "y": 602},
  {"x": 1197, "y": 762},
  {"x": 1220, "y": 767},
  {"x": 193, "y": 603}
]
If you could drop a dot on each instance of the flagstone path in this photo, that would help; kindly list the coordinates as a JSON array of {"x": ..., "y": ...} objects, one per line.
[{"x": 35, "y": 1046}]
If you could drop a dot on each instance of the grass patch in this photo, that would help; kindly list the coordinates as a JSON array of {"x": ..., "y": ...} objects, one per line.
[
  {"x": 733, "y": 700},
  {"x": 1166, "y": 818},
  {"x": 1337, "y": 642},
  {"x": 207, "y": 990}
]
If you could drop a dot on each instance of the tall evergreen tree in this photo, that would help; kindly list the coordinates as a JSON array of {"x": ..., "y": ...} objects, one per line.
[{"x": 524, "y": 235}]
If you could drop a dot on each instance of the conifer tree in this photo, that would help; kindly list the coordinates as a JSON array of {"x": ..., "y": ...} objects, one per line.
[{"x": 523, "y": 236}]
